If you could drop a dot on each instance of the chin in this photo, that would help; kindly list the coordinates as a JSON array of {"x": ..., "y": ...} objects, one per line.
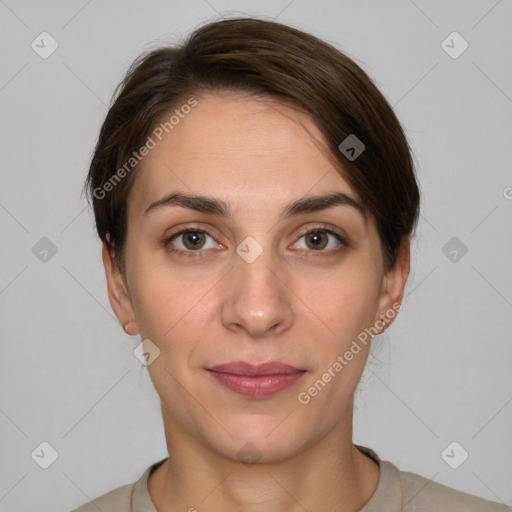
[{"x": 259, "y": 439}]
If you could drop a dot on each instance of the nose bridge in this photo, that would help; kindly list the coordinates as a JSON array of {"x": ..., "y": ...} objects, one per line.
[
  {"x": 257, "y": 276},
  {"x": 257, "y": 300}
]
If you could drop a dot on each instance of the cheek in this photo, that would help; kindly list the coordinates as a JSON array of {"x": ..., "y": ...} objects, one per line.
[
  {"x": 156, "y": 295},
  {"x": 169, "y": 307},
  {"x": 344, "y": 304},
  {"x": 347, "y": 309}
]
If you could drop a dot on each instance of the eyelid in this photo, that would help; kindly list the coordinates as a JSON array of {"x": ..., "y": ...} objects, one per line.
[
  {"x": 166, "y": 241},
  {"x": 322, "y": 227}
]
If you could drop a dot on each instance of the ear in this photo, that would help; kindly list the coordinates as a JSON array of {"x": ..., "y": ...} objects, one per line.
[
  {"x": 393, "y": 287},
  {"x": 117, "y": 292}
]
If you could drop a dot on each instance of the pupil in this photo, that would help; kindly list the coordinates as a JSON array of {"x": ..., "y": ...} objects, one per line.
[
  {"x": 194, "y": 238},
  {"x": 316, "y": 241}
]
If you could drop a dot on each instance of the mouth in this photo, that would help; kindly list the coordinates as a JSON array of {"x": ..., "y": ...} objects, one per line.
[{"x": 256, "y": 381}]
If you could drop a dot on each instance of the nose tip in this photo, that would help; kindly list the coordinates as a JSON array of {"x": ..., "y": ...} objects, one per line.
[{"x": 257, "y": 323}]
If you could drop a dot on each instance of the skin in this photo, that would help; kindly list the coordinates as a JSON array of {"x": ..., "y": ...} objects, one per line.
[{"x": 287, "y": 306}]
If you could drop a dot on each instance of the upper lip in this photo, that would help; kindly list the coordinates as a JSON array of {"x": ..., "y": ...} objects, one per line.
[{"x": 243, "y": 368}]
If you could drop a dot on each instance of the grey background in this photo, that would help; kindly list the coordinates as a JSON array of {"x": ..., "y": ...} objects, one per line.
[{"x": 67, "y": 372}]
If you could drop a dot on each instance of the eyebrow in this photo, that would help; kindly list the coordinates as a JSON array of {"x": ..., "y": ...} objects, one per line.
[{"x": 218, "y": 207}]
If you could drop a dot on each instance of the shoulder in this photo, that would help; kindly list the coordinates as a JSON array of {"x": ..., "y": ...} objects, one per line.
[
  {"x": 117, "y": 500},
  {"x": 420, "y": 494},
  {"x": 128, "y": 498},
  {"x": 403, "y": 491}
]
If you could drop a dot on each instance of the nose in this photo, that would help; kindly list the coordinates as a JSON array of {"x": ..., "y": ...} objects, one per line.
[{"x": 257, "y": 302}]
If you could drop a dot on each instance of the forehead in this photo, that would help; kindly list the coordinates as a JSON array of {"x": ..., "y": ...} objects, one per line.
[{"x": 246, "y": 150}]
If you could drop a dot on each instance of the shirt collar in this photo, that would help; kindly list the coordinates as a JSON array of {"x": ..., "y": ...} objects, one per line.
[{"x": 388, "y": 494}]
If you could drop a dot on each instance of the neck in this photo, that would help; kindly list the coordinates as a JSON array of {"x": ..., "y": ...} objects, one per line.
[{"x": 331, "y": 474}]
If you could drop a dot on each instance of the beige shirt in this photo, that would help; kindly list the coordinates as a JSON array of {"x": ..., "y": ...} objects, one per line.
[{"x": 397, "y": 491}]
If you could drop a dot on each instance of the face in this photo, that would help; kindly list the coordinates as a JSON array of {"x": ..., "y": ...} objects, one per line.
[{"x": 253, "y": 279}]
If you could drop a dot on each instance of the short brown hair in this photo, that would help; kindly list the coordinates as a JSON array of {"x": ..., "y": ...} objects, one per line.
[{"x": 263, "y": 58}]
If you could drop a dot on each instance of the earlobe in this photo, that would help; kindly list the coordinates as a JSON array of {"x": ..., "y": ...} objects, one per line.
[
  {"x": 117, "y": 293},
  {"x": 393, "y": 287},
  {"x": 127, "y": 327}
]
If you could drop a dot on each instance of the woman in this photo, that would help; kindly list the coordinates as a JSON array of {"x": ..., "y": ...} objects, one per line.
[{"x": 255, "y": 196}]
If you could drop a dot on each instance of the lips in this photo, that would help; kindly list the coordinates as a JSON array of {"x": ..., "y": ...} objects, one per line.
[
  {"x": 243, "y": 368},
  {"x": 256, "y": 381}
]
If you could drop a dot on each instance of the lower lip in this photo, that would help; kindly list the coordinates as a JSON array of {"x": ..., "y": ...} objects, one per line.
[{"x": 256, "y": 386}]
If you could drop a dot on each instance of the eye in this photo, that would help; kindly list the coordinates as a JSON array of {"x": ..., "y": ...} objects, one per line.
[
  {"x": 187, "y": 241},
  {"x": 320, "y": 239},
  {"x": 193, "y": 242}
]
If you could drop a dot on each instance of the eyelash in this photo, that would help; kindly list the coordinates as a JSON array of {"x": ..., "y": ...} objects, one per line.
[{"x": 194, "y": 254}]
